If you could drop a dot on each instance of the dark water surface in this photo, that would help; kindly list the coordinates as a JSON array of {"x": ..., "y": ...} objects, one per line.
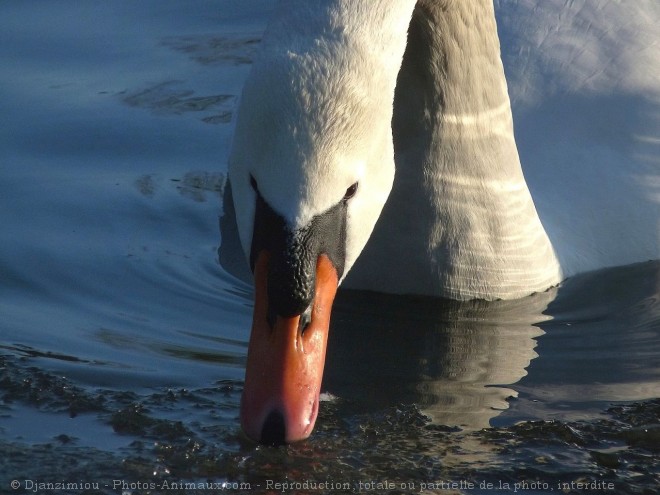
[{"x": 123, "y": 342}]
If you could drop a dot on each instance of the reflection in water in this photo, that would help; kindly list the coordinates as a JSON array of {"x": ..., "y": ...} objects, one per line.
[
  {"x": 597, "y": 336},
  {"x": 453, "y": 359},
  {"x": 601, "y": 344}
]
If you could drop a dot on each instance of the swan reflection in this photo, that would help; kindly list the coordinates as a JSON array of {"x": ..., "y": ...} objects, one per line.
[{"x": 456, "y": 360}]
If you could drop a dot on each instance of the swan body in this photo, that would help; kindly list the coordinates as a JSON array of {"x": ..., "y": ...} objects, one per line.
[{"x": 388, "y": 124}]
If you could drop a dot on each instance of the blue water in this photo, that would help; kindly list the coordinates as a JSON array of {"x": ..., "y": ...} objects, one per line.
[{"x": 123, "y": 341}]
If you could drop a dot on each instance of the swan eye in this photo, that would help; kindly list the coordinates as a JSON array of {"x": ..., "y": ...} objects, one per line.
[{"x": 350, "y": 192}]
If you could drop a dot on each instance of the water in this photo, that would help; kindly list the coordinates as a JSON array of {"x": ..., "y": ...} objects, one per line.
[{"x": 123, "y": 341}]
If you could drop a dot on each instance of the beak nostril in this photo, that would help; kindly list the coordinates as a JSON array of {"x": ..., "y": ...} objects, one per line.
[
  {"x": 273, "y": 431},
  {"x": 305, "y": 319}
]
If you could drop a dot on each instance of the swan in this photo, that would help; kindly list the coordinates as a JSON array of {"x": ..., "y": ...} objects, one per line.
[{"x": 342, "y": 94}]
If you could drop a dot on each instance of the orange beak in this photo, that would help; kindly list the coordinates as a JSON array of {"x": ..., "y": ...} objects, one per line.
[{"x": 285, "y": 362}]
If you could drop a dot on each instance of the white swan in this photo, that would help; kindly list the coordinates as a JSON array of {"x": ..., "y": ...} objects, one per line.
[{"x": 313, "y": 163}]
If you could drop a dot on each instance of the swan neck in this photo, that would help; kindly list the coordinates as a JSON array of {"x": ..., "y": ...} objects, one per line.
[
  {"x": 458, "y": 169},
  {"x": 464, "y": 54}
]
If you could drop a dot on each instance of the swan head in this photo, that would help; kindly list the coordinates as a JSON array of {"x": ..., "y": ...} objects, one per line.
[{"x": 310, "y": 168}]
